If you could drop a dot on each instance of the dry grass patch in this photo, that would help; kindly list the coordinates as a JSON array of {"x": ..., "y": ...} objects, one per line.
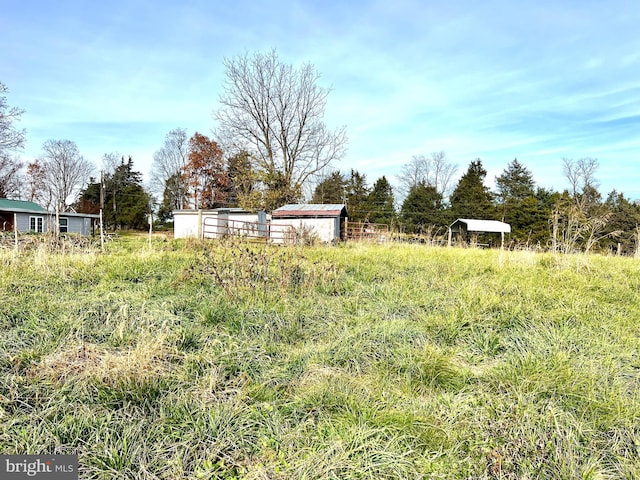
[{"x": 149, "y": 358}]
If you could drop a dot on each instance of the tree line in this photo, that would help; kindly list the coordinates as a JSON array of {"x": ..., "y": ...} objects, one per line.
[
  {"x": 576, "y": 219},
  {"x": 271, "y": 142}
]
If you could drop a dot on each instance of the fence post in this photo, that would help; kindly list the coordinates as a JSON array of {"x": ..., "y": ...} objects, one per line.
[
  {"x": 101, "y": 232},
  {"x": 15, "y": 230},
  {"x": 150, "y": 227}
]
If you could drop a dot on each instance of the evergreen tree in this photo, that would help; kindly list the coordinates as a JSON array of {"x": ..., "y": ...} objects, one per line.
[
  {"x": 357, "y": 194},
  {"x": 174, "y": 196},
  {"x": 243, "y": 182},
  {"x": 89, "y": 199},
  {"x": 515, "y": 183},
  {"x": 423, "y": 207},
  {"x": 332, "y": 189},
  {"x": 278, "y": 191},
  {"x": 471, "y": 198},
  {"x": 516, "y": 195},
  {"x": 380, "y": 202},
  {"x": 624, "y": 223},
  {"x": 126, "y": 203},
  {"x": 530, "y": 221},
  {"x": 169, "y": 199}
]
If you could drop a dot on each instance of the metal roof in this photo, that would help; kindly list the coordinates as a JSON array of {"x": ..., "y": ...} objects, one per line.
[
  {"x": 20, "y": 206},
  {"x": 76, "y": 214},
  {"x": 490, "y": 226},
  {"x": 213, "y": 211},
  {"x": 310, "y": 210}
]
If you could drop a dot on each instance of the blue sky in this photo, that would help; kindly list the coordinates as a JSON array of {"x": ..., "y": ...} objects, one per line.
[{"x": 537, "y": 80}]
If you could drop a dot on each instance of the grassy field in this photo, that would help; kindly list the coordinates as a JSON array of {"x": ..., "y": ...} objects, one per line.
[{"x": 226, "y": 360}]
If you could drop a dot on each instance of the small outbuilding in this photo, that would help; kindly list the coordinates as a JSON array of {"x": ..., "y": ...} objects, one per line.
[
  {"x": 326, "y": 222},
  {"x": 23, "y": 216},
  {"x": 466, "y": 226},
  {"x": 218, "y": 223}
]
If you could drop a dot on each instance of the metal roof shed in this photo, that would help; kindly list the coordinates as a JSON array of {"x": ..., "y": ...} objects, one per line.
[
  {"x": 466, "y": 225},
  {"x": 323, "y": 220}
]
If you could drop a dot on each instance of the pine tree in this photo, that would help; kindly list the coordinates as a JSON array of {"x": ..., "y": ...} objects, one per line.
[
  {"x": 516, "y": 195},
  {"x": 515, "y": 183},
  {"x": 130, "y": 201},
  {"x": 357, "y": 193},
  {"x": 380, "y": 202},
  {"x": 623, "y": 224},
  {"x": 169, "y": 199},
  {"x": 331, "y": 189},
  {"x": 243, "y": 182},
  {"x": 126, "y": 203},
  {"x": 422, "y": 208},
  {"x": 471, "y": 198}
]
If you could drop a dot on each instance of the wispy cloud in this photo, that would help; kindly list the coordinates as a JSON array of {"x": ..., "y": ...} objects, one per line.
[{"x": 496, "y": 80}]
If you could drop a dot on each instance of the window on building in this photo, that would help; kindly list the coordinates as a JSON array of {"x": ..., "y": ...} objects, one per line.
[
  {"x": 36, "y": 224},
  {"x": 64, "y": 225}
]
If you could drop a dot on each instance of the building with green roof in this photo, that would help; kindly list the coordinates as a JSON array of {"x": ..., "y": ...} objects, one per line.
[{"x": 23, "y": 216}]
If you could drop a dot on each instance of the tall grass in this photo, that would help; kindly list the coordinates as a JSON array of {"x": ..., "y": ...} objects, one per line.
[{"x": 183, "y": 359}]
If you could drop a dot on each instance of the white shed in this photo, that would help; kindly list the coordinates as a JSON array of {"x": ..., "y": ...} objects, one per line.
[
  {"x": 218, "y": 223},
  {"x": 325, "y": 221}
]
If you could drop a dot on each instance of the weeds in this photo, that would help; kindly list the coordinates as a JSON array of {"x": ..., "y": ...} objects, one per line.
[
  {"x": 189, "y": 359},
  {"x": 262, "y": 273}
]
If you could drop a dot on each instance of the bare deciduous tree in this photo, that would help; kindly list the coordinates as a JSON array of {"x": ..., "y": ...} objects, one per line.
[
  {"x": 168, "y": 164},
  {"x": 274, "y": 111},
  {"x": 9, "y": 176},
  {"x": 65, "y": 172},
  {"x": 35, "y": 181},
  {"x": 581, "y": 177},
  {"x": 111, "y": 161},
  {"x": 582, "y": 218},
  {"x": 412, "y": 173},
  {"x": 434, "y": 170},
  {"x": 11, "y": 140}
]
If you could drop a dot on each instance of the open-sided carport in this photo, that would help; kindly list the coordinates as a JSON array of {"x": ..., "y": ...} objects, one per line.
[{"x": 463, "y": 226}]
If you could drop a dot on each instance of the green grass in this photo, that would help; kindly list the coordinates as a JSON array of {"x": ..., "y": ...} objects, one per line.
[{"x": 196, "y": 360}]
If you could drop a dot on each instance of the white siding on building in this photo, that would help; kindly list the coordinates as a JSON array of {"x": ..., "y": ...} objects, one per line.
[
  {"x": 326, "y": 229},
  {"x": 247, "y": 224},
  {"x": 217, "y": 223},
  {"x": 185, "y": 224}
]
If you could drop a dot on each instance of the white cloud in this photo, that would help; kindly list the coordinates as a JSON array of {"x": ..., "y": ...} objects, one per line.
[{"x": 536, "y": 80}]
